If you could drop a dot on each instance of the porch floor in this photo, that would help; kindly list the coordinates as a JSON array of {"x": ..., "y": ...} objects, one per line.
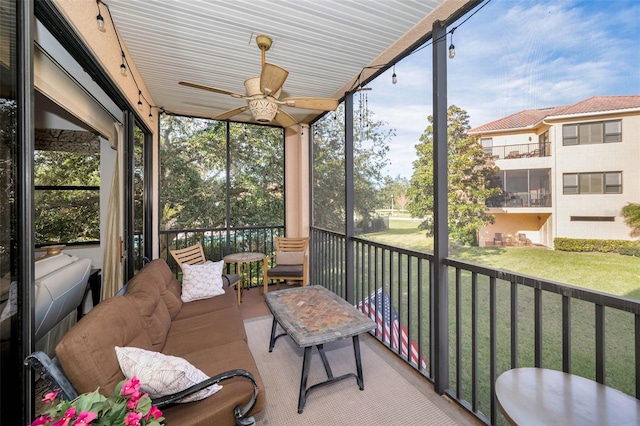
[{"x": 443, "y": 411}]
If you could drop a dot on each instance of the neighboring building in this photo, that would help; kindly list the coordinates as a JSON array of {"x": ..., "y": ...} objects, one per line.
[{"x": 565, "y": 171}]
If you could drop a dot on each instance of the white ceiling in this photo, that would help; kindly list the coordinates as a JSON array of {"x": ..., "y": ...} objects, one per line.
[{"x": 324, "y": 44}]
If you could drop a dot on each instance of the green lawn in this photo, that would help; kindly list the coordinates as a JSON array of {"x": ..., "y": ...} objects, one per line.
[{"x": 609, "y": 273}]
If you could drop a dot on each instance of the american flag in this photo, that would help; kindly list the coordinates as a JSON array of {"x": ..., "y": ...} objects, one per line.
[{"x": 378, "y": 306}]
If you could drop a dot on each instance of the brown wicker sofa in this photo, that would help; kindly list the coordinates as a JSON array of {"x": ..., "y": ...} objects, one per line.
[{"x": 208, "y": 333}]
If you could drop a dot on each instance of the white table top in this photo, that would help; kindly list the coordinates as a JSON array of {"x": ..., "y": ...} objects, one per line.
[{"x": 538, "y": 396}]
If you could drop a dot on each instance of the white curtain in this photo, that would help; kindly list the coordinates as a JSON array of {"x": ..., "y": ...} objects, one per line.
[{"x": 112, "y": 263}]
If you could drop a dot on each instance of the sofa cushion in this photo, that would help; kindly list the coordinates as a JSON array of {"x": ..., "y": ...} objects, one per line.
[
  {"x": 218, "y": 408},
  {"x": 162, "y": 375},
  {"x": 286, "y": 271},
  {"x": 197, "y": 307},
  {"x": 213, "y": 328},
  {"x": 158, "y": 272},
  {"x": 201, "y": 281},
  {"x": 152, "y": 310},
  {"x": 86, "y": 351},
  {"x": 289, "y": 258}
]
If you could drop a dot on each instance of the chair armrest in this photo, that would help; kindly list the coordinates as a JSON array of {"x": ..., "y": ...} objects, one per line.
[
  {"x": 229, "y": 280},
  {"x": 240, "y": 413},
  {"x": 52, "y": 374}
]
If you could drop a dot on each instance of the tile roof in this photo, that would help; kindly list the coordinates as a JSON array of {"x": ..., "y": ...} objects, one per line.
[{"x": 530, "y": 117}]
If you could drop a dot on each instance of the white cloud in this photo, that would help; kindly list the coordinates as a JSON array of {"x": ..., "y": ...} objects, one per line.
[{"x": 512, "y": 56}]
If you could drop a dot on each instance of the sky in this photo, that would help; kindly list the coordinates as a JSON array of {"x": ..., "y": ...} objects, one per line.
[{"x": 514, "y": 55}]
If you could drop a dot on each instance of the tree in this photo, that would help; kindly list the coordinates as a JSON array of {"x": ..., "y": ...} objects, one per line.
[
  {"x": 67, "y": 215},
  {"x": 631, "y": 214},
  {"x": 370, "y": 146},
  {"x": 393, "y": 193},
  {"x": 193, "y": 175},
  {"x": 468, "y": 184}
]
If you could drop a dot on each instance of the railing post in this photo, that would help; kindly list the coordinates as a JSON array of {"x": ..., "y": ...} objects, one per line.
[
  {"x": 441, "y": 232},
  {"x": 349, "y": 203}
]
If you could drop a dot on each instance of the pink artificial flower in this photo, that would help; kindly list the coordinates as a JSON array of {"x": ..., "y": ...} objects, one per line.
[
  {"x": 42, "y": 420},
  {"x": 85, "y": 417},
  {"x": 66, "y": 419},
  {"x": 133, "y": 419},
  {"x": 154, "y": 412},
  {"x": 131, "y": 387},
  {"x": 132, "y": 403},
  {"x": 50, "y": 397}
]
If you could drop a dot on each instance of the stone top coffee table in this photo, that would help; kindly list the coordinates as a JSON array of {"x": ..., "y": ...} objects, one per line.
[{"x": 313, "y": 316}]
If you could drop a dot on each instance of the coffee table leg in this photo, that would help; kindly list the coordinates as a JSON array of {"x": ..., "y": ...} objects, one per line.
[
  {"x": 272, "y": 342},
  {"x": 306, "y": 362},
  {"x": 325, "y": 361},
  {"x": 356, "y": 352}
]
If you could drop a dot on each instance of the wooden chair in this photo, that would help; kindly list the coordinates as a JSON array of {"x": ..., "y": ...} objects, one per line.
[
  {"x": 194, "y": 255},
  {"x": 290, "y": 262}
]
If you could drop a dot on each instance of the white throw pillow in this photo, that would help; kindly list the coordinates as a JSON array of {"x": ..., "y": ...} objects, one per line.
[
  {"x": 289, "y": 258},
  {"x": 201, "y": 281},
  {"x": 161, "y": 374}
]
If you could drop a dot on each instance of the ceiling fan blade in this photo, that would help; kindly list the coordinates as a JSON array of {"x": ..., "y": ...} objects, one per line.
[
  {"x": 272, "y": 78},
  {"x": 284, "y": 119},
  {"x": 211, "y": 89},
  {"x": 228, "y": 114},
  {"x": 322, "y": 104}
]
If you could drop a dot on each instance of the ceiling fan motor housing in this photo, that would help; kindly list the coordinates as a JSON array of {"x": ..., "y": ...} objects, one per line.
[{"x": 263, "y": 110}]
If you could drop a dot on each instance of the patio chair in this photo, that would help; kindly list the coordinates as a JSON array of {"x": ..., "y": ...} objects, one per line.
[
  {"x": 513, "y": 154},
  {"x": 498, "y": 239},
  {"x": 194, "y": 255},
  {"x": 523, "y": 240},
  {"x": 290, "y": 262}
]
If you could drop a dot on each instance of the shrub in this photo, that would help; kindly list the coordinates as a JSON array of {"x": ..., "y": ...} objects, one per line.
[{"x": 630, "y": 248}]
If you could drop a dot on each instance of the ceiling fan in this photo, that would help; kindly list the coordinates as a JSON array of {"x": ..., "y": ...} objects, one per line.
[{"x": 263, "y": 91}]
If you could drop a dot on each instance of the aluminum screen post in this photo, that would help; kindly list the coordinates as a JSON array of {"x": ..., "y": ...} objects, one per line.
[
  {"x": 349, "y": 196},
  {"x": 440, "y": 214}
]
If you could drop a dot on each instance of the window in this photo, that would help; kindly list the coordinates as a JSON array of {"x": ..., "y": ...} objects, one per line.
[
  {"x": 487, "y": 146},
  {"x": 593, "y": 218},
  {"x": 592, "y": 183},
  {"x": 67, "y": 192},
  {"x": 592, "y": 133},
  {"x": 521, "y": 188}
]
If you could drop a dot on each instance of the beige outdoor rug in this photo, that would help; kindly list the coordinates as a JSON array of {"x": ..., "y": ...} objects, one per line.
[{"x": 388, "y": 397}]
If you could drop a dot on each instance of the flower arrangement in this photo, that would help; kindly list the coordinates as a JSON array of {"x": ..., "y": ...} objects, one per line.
[{"x": 126, "y": 407}]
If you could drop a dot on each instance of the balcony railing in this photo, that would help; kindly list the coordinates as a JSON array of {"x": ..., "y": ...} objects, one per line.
[
  {"x": 219, "y": 242},
  {"x": 525, "y": 150},
  {"x": 520, "y": 199},
  {"x": 497, "y": 319}
]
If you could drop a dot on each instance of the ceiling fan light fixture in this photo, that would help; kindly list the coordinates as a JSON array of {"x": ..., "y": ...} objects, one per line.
[{"x": 263, "y": 110}]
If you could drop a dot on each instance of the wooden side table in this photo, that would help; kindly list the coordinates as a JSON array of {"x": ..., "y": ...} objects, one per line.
[{"x": 240, "y": 259}]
